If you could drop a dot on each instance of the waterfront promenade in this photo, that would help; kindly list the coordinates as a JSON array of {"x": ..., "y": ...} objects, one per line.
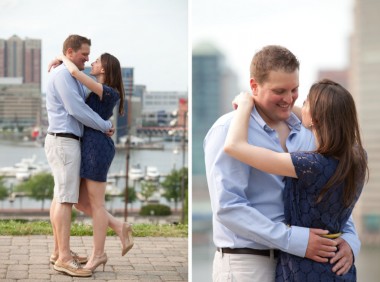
[{"x": 26, "y": 258}]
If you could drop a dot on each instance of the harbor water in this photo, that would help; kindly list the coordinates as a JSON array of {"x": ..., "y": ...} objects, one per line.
[{"x": 166, "y": 159}]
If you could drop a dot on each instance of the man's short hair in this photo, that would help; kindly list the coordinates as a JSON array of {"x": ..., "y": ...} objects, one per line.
[
  {"x": 75, "y": 42},
  {"x": 272, "y": 58}
]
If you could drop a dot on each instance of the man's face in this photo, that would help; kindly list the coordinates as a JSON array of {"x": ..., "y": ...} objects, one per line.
[
  {"x": 80, "y": 57},
  {"x": 276, "y": 96}
]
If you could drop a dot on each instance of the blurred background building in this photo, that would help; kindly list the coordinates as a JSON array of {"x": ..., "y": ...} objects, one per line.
[
  {"x": 214, "y": 86},
  {"x": 364, "y": 83}
]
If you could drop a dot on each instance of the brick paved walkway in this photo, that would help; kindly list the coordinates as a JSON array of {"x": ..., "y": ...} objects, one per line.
[{"x": 26, "y": 259}]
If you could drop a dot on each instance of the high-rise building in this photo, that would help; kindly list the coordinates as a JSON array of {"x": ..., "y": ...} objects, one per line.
[
  {"x": 139, "y": 90},
  {"x": 32, "y": 61},
  {"x": 20, "y": 80},
  {"x": 207, "y": 64},
  {"x": 2, "y": 58},
  {"x": 21, "y": 58},
  {"x": 14, "y": 57},
  {"x": 213, "y": 87},
  {"x": 365, "y": 86}
]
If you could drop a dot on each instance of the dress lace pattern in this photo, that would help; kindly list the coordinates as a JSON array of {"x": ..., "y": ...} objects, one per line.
[
  {"x": 98, "y": 149},
  {"x": 313, "y": 171}
]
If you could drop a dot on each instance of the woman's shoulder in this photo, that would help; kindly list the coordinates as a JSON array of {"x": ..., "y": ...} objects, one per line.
[
  {"x": 109, "y": 91},
  {"x": 312, "y": 158},
  {"x": 310, "y": 155}
]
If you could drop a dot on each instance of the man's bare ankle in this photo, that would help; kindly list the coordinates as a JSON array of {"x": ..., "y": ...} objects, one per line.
[{"x": 65, "y": 259}]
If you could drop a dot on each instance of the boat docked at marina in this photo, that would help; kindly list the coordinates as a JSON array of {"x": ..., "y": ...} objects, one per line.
[{"x": 24, "y": 169}]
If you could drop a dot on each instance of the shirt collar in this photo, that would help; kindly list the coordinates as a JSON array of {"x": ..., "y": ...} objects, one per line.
[{"x": 293, "y": 122}]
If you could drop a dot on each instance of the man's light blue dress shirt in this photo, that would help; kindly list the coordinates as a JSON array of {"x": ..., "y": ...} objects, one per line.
[
  {"x": 247, "y": 204},
  {"x": 67, "y": 111}
]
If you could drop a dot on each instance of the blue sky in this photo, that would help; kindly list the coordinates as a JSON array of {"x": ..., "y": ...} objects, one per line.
[{"x": 148, "y": 35}]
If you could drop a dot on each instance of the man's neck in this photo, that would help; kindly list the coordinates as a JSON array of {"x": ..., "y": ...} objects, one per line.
[
  {"x": 280, "y": 126},
  {"x": 270, "y": 122}
]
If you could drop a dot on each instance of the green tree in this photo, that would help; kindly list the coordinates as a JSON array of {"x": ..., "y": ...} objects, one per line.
[
  {"x": 147, "y": 189},
  {"x": 3, "y": 190},
  {"x": 39, "y": 187},
  {"x": 173, "y": 185},
  {"x": 132, "y": 197}
]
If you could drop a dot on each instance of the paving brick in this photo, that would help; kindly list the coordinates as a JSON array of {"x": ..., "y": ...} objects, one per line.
[{"x": 26, "y": 259}]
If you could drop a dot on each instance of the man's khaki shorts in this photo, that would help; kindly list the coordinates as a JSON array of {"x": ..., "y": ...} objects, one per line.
[{"x": 64, "y": 157}]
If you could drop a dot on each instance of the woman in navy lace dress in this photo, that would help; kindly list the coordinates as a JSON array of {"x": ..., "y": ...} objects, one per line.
[
  {"x": 321, "y": 187},
  {"x": 98, "y": 151}
]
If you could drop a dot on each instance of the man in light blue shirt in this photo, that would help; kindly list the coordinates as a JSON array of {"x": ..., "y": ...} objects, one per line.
[
  {"x": 247, "y": 204},
  {"x": 67, "y": 113}
]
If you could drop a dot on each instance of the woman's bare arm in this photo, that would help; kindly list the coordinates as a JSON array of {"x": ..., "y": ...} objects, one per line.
[
  {"x": 237, "y": 146},
  {"x": 91, "y": 84}
]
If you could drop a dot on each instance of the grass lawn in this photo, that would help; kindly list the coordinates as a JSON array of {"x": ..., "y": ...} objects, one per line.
[{"x": 22, "y": 227}]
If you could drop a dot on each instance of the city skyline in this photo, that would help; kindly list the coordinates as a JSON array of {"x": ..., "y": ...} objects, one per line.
[{"x": 155, "y": 48}]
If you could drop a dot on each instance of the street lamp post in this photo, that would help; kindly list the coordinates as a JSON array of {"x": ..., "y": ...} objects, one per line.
[
  {"x": 127, "y": 146},
  {"x": 173, "y": 123}
]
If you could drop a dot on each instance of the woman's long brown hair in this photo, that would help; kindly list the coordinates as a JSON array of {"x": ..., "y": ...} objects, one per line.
[
  {"x": 334, "y": 116},
  {"x": 113, "y": 76}
]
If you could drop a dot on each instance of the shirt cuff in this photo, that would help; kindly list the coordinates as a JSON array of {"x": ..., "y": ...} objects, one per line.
[
  {"x": 110, "y": 125},
  {"x": 299, "y": 238},
  {"x": 353, "y": 241}
]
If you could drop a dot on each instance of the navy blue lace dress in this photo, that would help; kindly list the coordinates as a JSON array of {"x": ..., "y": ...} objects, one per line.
[
  {"x": 98, "y": 150},
  {"x": 313, "y": 171}
]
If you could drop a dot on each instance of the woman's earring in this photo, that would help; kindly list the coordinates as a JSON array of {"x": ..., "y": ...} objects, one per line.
[{"x": 311, "y": 124}]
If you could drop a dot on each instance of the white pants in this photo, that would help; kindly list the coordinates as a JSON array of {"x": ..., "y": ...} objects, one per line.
[{"x": 243, "y": 268}]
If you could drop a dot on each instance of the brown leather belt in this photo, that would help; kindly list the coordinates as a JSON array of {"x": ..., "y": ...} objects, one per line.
[
  {"x": 67, "y": 135},
  {"x": 247, "y": 251}
]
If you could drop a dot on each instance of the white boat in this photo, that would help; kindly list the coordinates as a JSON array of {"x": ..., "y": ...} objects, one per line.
[
  {"x": 152, "y": 173},
  {"x": 23, "y": 175},
  {"x": 135, "y": 173},
  {"x": 24, "y": 169}
]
